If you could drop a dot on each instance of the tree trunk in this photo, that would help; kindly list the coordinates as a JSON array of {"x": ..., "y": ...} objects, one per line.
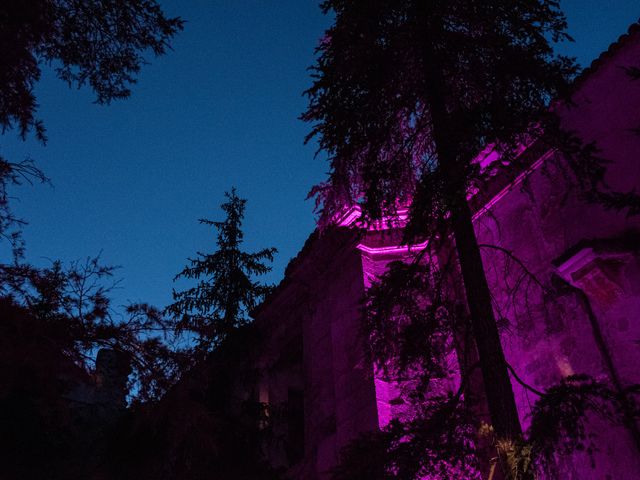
[
  {"x": 500, "y": 399},
  {"x": 497, "y": 384}
]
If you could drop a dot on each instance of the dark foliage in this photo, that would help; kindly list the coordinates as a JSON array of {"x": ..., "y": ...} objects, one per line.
[
  {"x": 584, "y": 167},
  {"x": 411, "y": 324},
  {"x": 406, "y": 94},
  {"x": 204, "y": 427},
  {"x": 73, "y": 310},
  {"x": 226, "y": 290},
  {"x": 99, "y": 43},
  {"x": 12, "y": 174},
  {"x": 416, "y": 330},
  {"x": 366, "y": 457},
  {"x": 442, "y": 439},
  {"x": 439, "y": 442},
  {"x": 370, "y": 104},
  {"x": 560, "y": 415}
]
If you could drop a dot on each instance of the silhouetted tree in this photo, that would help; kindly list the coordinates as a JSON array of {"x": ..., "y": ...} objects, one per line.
[
  {"x": 96, "y": 42},
  {"x": 226, "y": 290},
  {"x": 72, "y": 307},
  {"x": 405, "y": 96},
  {"x": 99, "y": 43}
]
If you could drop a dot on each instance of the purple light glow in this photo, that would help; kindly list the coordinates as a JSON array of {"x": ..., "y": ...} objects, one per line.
[{"x": 552, "y": 232}]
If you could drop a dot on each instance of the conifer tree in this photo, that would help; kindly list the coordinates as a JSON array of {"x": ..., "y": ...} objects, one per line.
[
  {"x": 405, "y": 96},
  {"x": 226, "y": 290}
]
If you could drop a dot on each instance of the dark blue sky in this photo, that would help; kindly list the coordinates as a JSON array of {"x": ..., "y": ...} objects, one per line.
[{"x": 131, "y": 179}]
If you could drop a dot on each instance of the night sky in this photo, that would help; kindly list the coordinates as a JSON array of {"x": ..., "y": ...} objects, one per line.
[{"x": 131, "y": 179}]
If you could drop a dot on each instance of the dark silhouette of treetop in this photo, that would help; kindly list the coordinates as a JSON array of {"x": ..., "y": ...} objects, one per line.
[
  {"x": 100, "y": 43},
  {"x": 389, "y": 72},
  {"x": 226, "y": 290}
]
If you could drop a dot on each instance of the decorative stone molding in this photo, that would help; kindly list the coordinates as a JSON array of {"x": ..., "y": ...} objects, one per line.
[{"x": 597, "y": 273}]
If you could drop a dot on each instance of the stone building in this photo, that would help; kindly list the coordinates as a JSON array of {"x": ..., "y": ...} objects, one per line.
[{"x": 312, "y": 364}]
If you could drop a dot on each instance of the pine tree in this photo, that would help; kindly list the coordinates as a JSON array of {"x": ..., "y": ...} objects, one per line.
[
  {"x": 406, "y": 94},
  {"x": 226, "y": 290}
]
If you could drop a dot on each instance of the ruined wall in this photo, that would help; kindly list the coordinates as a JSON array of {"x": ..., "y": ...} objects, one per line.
[
  {"x": 531, "y": 232},
  {"x": 551, "y": 231},
  {"x": 319, "y": 305}
]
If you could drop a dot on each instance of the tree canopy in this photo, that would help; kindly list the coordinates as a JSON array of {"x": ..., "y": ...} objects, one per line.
[
  {"x": 406, "y": 95},
  {"x": 98, "y": 43},
  {"x": 102, "y": 44},
  {"x": 385, "y": 69},
  {"x": 226, "y": 289}
]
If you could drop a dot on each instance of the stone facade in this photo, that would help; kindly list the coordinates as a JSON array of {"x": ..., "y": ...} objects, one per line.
[{"x": 313, "y": 365}]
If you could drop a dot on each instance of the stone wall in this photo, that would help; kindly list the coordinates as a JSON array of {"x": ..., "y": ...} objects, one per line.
[{"x": 535, "y": 232}]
